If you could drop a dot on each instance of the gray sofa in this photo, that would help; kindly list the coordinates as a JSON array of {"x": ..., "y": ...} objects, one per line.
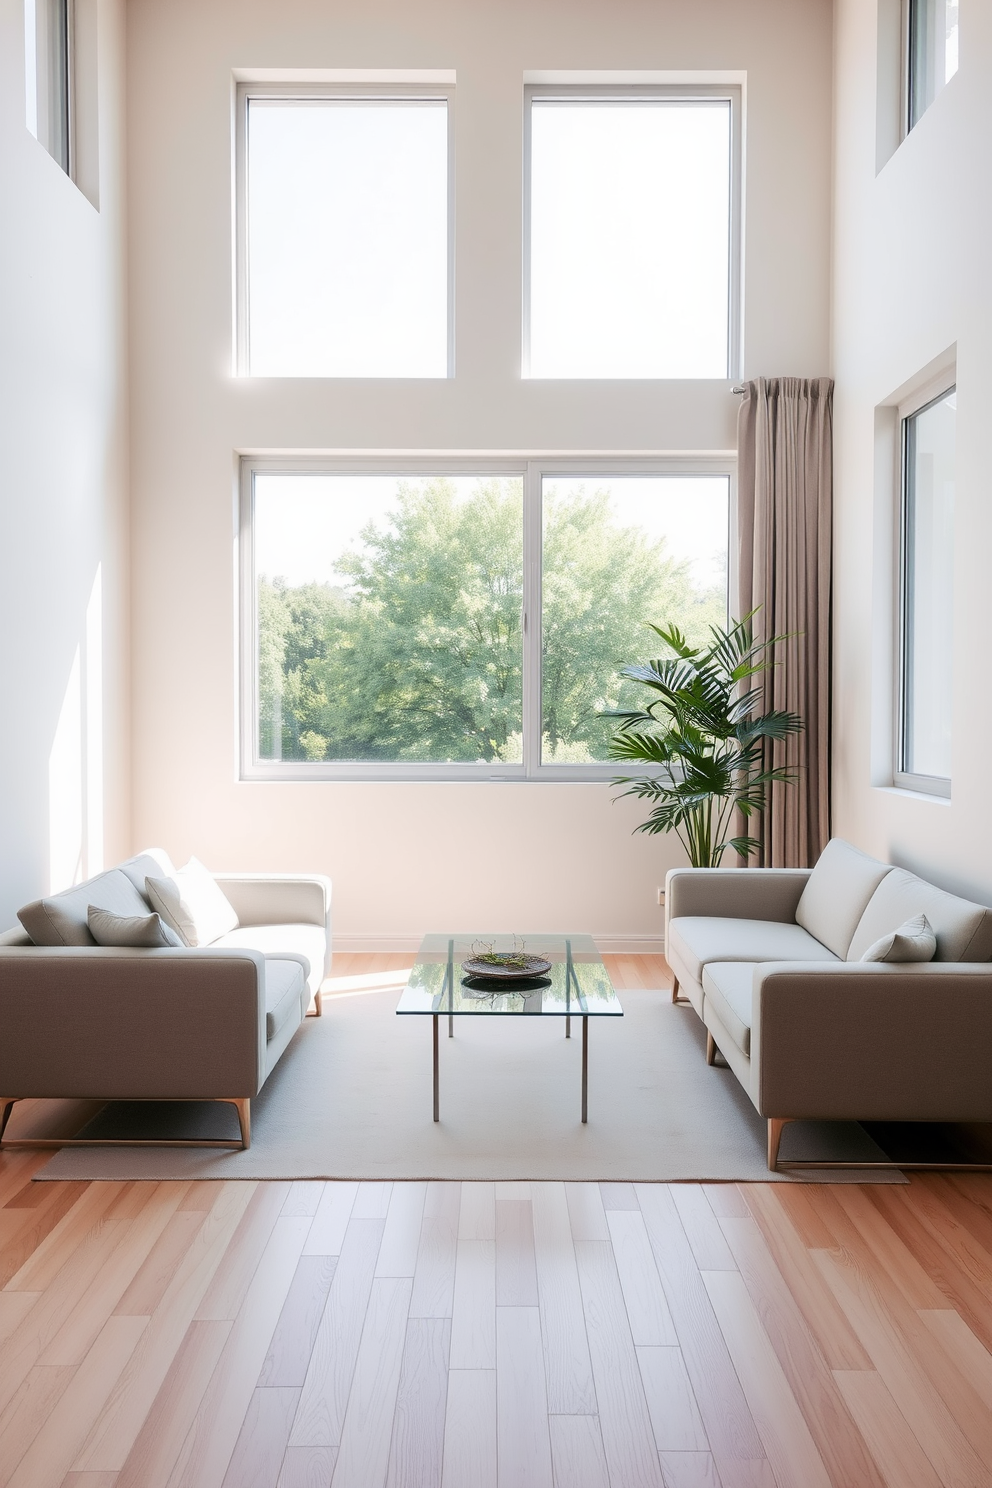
[
  {"x": 202, "y": 1023},
  {"x": 770, "y": 959}
]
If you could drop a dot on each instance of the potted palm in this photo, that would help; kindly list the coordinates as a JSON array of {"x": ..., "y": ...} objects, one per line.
[{"x": 703, "y": 739}]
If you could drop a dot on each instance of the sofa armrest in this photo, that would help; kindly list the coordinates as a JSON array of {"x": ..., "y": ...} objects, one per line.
[
  {"x": 734, "y": 893},
  {"x": 872, "y": 1041},
  {"x": 279, "y": 898},
  {"x": 95, "y": 1021}
]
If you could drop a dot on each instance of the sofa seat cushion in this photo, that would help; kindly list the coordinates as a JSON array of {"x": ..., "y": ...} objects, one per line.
[
  {"x": 61, "y": 919},
  {"x": 275, "y": 940},
  {"x": 963, "y": 929},
  {"x": 699, "y": 939},
  {"x": 836, "y": 894},
  {"x": 284, "y": 993},
  {"x": 727, "y": 990}
]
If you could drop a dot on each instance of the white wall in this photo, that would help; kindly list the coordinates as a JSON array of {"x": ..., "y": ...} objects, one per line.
[
  {"x": 402, "y": 855},
  {"x": 911, "y": 281},
  {"x": 64, "y": 794}
]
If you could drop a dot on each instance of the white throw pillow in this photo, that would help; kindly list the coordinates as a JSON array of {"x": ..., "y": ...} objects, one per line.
[
  {"x": 913, "y": 941},
  {"x": 192, "y": 904},
  {"x": 148, "y": 931}
]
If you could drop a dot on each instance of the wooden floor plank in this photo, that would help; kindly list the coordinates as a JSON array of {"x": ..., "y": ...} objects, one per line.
[
  {"x": 59, "y": 1246},
  {"x": 150, "y": 1462},
  {"x": 689, "y": 1470},
  {"x": 331, "y": 1220},
  {"x": 567, "y": 1366},
  {"x": 785, "y": 1436},
  {"x": 261, "y": 1445},
  {"x": 225, "y": 1295},
  {"x": 473, "y": 1316},
  {"x": 321, "y": 1410},
  {"x": 401, "y": 1237},
  {"x": 292, "y": 1343},
  {"x": 733, "y": 1438},
  {"x": 523, "y": 1446},
  {"x": 303, "y": 1198},
  {"x": 372, "y": 1201},
  {"x": 117, "y": 1426},
  {"x": 898, "y": 1456},
  {"x": 27, "y": 1413},
  {"x": 516, "y": 1263},
  {"x": 153, "y": 1276},
  {"x": 217, "y": 1425},
  {"x": 363, "y": 1453},
  {"x": 647, "y": 1310},
  {"x": 417, "y": 1445},
  {"x": 675, "y": 1418},
  {"x": 470, "y": 1430},
  {"x": 702, "y": 1228},
  {"x": 577, "y": 1454},
  {"x": 307, "y": 1467},
  {"x": 434, "y": 1277},
  {"x": 585, "y": 1211},
  {"x": 477, "y": 1213},
  {"x": 628, "y": 1439},
  {"x": 967, "y": 1353},
  {"x": 50, "y": 1456}
]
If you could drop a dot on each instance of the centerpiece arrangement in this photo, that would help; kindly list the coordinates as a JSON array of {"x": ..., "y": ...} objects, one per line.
[{"x": 486, "y": 963}]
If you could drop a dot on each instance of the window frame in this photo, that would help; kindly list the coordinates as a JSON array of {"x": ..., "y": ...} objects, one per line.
[
  {"x": 532, "y": 468},
  {"x": 58, "y": 66},
  {"x": 911, "y": 82},
  {"x": 731, "y": 93},
  {"x": 933, "y": 392},
  {"x": 386, "y": 92}
]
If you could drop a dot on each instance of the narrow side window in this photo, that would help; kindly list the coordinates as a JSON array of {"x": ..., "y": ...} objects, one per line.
[
  {"x": 48, "y": 75},
  {"x": 932, "y": 53}
]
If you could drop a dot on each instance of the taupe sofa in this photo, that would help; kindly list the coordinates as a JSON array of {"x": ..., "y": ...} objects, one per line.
[
  {"x": 770, "y": 960},
  {"x": 204, "y": 1023}
]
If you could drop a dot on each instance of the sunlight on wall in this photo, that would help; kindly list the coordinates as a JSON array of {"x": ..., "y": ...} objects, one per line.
[{"x": 75, "y": 765}]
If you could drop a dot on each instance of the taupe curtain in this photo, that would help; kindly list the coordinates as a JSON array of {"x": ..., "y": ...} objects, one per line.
[{"x": 784, "y": 507}]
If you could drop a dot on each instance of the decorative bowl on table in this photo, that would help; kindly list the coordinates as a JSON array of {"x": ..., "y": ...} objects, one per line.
[{"x": 505, "y": 967}]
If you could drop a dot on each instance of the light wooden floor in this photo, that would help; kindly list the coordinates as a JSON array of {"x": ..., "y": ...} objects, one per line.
[{"x": 287, "y": 1335}]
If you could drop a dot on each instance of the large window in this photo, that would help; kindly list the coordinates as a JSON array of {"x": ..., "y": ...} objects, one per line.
[
  {"x": 928, "y": 435},
  {"x": 47, "y": 43},
  {"x": 463, "y": 619},
  {"x": 632, "y": 258},
  {"x": 932, "y": 52},
  {"x": 343, "y": 234}
]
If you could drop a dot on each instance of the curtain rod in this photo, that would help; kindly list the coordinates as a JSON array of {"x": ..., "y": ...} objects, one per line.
[{"x": 739, "y": 389}]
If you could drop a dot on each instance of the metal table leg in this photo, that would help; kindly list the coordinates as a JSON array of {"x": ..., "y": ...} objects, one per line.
[
  {"x": 437, "y": 1088},
  {"x": 568, "y": 1025},
  {"x": 585, "y": 1068}
]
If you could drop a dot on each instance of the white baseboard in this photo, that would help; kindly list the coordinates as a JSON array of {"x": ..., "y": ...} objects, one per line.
[{"x": 396, "y": 945}]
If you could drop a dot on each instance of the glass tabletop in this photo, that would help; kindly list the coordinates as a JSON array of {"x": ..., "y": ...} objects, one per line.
[{"x": 577, "y": 984}]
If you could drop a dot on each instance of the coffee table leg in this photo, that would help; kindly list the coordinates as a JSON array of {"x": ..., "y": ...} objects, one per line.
[
  {"x": 437, "y": 1111},
  {"x": 585, "y": 1069},
  {"x": 568, "y": 1025},
  {"x": 451, "y": 1026}
]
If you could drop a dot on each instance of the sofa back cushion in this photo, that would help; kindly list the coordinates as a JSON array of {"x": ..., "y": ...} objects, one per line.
[
  {"x": 963, "y": 929},
  {"x": 154, "y": 862},
  {"x": 61, "y": 918},
  {"x": 836, "y": 894}
]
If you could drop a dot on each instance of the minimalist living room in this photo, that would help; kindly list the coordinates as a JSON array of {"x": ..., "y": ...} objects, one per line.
[{"x": 496, "y": 937}]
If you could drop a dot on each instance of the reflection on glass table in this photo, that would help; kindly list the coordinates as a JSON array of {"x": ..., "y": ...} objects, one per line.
[{"x": 576, "y": 986}]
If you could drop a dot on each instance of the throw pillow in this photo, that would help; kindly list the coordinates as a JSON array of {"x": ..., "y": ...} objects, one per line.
[
  {"x": 913, "y": 941},
  {"x": 148, "y": 931},
  {"x": 192, "y": 904}
]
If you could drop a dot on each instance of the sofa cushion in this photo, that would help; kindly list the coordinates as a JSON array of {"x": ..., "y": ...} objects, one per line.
[
  {"x": 276, "y": 940},
  {"x": 191, "y": 902},
  {"x": 284, "y": 991},
  {"x": 60, "y": 920},
  {"x": 913, "y": 941},
  {"x": 149, "y": 931},
  {"x": 835, "y": 897},
  {"x": 963, "y": 929},
  {"x": 700, "y": 939},
  {"x": 154, "y": 862},
  {"x": 727, "y": 989}
]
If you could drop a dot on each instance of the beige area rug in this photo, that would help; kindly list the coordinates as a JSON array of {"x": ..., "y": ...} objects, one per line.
[{"x": 351, "y": 1098}]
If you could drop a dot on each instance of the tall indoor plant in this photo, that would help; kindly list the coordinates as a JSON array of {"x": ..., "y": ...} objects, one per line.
[{"x": 702, "y": 737}]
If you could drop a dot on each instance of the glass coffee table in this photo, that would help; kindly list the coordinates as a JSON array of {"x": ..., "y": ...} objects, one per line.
[{"x": 576, "y": 986}]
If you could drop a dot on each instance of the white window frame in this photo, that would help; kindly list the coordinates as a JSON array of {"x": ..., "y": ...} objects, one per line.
[
  {"x": 340, "y": 92},
  {"x": 532, "y": 468},
  {"x": 63, "y": 149},
  {"x": 910, "y": 82},
  {"x": 731, "y": 93},
  {"x": 929, "y": 785}
]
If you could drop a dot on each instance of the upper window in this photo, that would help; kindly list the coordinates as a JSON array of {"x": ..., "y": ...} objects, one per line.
[
  {"x": 632, "y": 252},
  {"x": 927, "y": 632},
  {"x": 47, "y": 41},
  {"x": 466, "y": 619},
  {"x": 344, "y": 234},
  {"x": 932, "y": 48}
]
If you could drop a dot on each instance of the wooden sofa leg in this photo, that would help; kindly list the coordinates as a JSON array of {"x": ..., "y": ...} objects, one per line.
[
  {"x": 710, "y": 1048},
  {"x": 7, "y": 1104},
  {"x": 675, "y": 988},
  {"x": 243, "y": 1108},
  {"x": 775, "y": 1125},
  {"x": 318, "y": 1004}
]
